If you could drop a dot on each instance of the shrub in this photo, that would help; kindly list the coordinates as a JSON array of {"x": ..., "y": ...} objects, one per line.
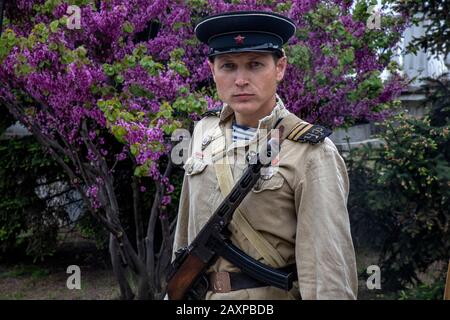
[
  {"x": 433, "y": 291},
  {"x": 402, "y": 192},
  {"x": 27, "y": 224}
]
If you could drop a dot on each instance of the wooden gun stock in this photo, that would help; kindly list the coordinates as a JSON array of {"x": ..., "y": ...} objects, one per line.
[{"x": 191, "y": 268}]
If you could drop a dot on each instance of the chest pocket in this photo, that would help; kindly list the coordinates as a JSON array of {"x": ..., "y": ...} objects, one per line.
[
  {"x": 204, "y": 191},
  {"x": 194, "y": 166},
  {"x": 274, "y": 183}
]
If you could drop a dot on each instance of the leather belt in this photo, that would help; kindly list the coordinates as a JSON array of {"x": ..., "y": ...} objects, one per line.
[{"x": 222, "y": 282}]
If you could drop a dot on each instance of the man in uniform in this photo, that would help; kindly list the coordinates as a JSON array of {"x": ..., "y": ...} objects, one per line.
[{"x": 296, "y": 214}]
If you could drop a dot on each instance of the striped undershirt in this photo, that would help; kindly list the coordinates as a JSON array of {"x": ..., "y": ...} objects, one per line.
[{"x": 242, "y": 132}]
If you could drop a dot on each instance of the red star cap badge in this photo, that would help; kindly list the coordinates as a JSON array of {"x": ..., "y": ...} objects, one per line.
[{"x": 239, "y": 39}]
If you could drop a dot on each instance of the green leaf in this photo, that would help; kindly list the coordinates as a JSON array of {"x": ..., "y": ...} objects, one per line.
[
  {"x": 138, "y": 91},
  {"x": 183, "y": 90},
  {"x": 128, "y": 27},
  {"x": 53, "y": 46},
  {"x": 178, "y": 25},
  {"x": 300, "y": 56},
  {"x": 140, "y": 50},
  {"x": 348, "y": 56},
  {"x": 134, "y": 149},
  {"x": 119, "y": 133},
  {"x": 81, "y": 52},
  {"x": 54, "y": 26},
  {"x": 110, "y": 117},
  {"x": 119, "y": 78},
  {"x": 150, "y": 66},
  {"x": 108, "y": 69},
  {"x": 326, "y": 50},
  {"x": 130, "y": 61},
  {"x": 321, "y": 79},
  {"x": 101, "y": 104},
  {"x": 179, "y": 68},
  {"x": 67, "y": 58},
  {"x": 177, "y": 54},
  {"x": 170, "y": 128}
]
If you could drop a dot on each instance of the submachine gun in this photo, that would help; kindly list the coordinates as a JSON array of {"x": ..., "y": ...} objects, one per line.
[{"x": 186, "y": 275}]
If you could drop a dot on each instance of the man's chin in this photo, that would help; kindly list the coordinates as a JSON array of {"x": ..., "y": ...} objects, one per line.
[{"x": 245, "y": 108}]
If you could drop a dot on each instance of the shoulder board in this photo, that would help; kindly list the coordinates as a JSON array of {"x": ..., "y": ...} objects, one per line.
[
  {"x": 306, "y": 132},
  {"x": 212, "y": 112}
]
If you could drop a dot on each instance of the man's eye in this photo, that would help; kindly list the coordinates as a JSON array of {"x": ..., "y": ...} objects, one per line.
[
  {"x": 255, "y": 64},
  {"x": 227, "y": 66}
]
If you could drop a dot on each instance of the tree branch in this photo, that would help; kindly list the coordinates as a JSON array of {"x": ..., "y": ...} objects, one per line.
[
  {"x": 152, "y": 221},
  {"x": 138, "y": 218},
  {"x": 51, "y": 145}
]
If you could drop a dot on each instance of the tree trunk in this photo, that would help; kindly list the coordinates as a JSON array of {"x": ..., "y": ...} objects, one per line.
[
  {"x": 143, "y": 287},
  {"x": 119, "y": 270}
]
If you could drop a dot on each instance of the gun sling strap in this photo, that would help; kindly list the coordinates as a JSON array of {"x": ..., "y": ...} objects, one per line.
[{"x": 239, "y": 222}]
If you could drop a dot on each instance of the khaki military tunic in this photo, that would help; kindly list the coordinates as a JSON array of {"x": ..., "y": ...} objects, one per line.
[{"x": 299, "y": 208}]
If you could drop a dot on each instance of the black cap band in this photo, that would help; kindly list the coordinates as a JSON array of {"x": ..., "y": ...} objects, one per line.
[
  {"x": 244, "y": 41},
  {"x": 243, "y": 31}
]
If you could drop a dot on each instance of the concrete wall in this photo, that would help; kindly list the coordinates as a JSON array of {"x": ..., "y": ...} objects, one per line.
[{"x": 413, "y": 102}]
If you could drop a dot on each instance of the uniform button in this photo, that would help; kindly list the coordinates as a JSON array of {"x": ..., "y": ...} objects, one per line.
[{"x": 206, "y": 140}]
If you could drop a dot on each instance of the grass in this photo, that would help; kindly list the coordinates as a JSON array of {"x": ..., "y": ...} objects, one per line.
[
  {"x": 35, "y": 272},
  {"x": 21, "y": 279},
  {"x": 95, "y": 285}
]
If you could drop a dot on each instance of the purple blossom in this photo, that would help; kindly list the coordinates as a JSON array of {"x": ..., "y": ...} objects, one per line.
[
  {"x": 170, "y": 188},
  {"x": 65, "y": 77},
  {"x": 92, "y": 193},
  {"x": 165, "y": 200}
]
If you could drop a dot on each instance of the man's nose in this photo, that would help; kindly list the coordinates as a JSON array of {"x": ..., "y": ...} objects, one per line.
[{"x": 241, "y": 78}]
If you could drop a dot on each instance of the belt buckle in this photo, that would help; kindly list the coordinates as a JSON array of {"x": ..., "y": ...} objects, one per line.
[{"x": 220, "y": 282}]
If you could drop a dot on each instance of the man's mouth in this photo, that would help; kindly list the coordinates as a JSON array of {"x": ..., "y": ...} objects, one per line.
[{"x": 243, "y": 95}]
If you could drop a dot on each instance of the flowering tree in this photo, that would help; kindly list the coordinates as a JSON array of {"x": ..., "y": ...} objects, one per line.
[
  {"x": 78, "y": 73},
  {"x": 435, "y": 18}
]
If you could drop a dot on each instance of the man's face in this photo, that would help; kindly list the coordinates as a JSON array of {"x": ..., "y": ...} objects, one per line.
[{"x": 247, "y": 81}]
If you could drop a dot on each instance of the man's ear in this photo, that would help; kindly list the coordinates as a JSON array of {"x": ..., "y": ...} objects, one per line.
[
  {"x": 281, "y": 68},
  {"x": 211, "y": 67}
]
